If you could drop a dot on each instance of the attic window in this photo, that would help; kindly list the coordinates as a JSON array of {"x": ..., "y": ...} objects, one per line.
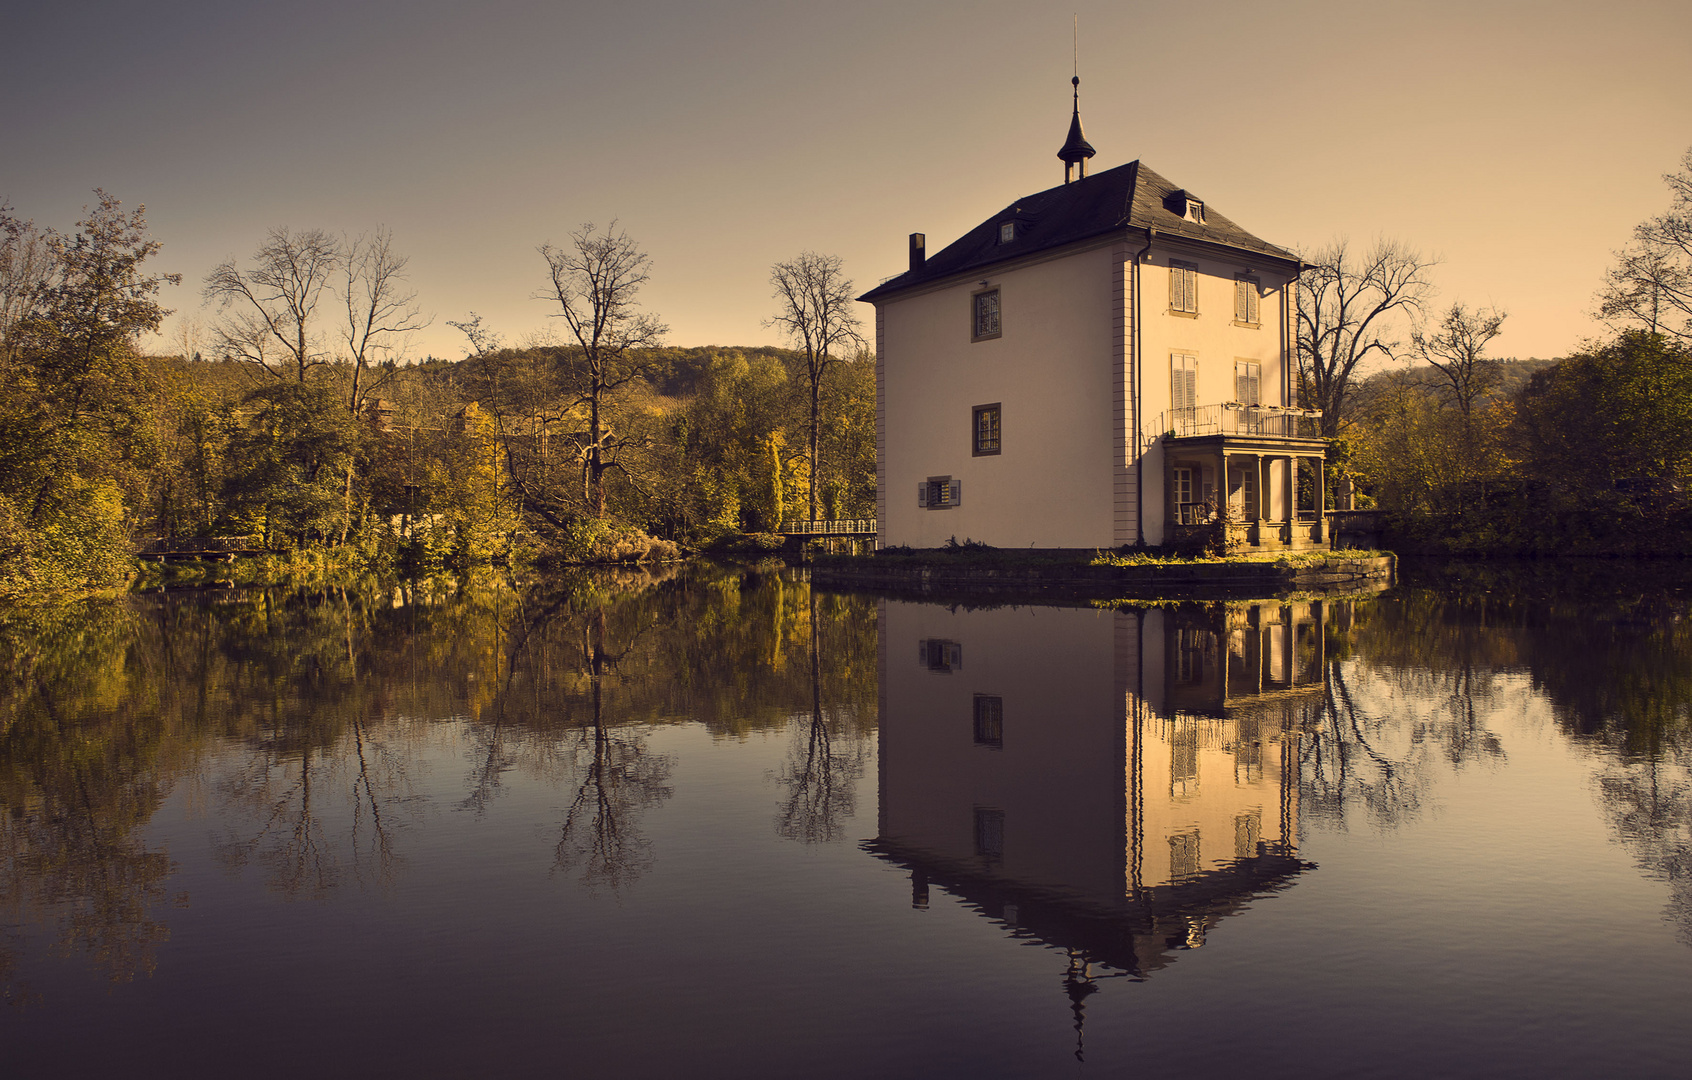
[
  {"x": 1007, "y": 232},
  {"x": 1195, "y": 211}
]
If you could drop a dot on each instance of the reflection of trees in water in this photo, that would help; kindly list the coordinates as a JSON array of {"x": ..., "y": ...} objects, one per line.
[
  {"x": 828, "y": 751},
  {"x": 616, "y": 776},
  {"x": 83, "y": 766},
  {"x": 1621, "y": 685},
  {"x": 301, "y": 713},
  {"x": 1609, "y": 644},
  {"x": 1418, "y": 699},
  {"x": 313, "y": 815},
  {"x": 1649, "y": 801},
  {"x": 1376, "y": 759}
]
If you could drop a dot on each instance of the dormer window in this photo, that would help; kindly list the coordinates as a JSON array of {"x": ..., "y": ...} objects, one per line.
[
  {"x": 1183, "y": 205},
  {"x": 1007, "y": 232}
]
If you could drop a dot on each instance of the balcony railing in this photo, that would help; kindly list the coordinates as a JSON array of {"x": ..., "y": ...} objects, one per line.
[
  {"x": 842, "y": 527},
  {"x": 1232, "y": 418}
]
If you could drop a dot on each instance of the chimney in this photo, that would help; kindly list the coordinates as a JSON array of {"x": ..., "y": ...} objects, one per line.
[{"x": 919, "y": 244}]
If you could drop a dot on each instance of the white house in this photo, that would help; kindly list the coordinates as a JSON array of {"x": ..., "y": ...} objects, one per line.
[{"x": 1108, "y": 362}]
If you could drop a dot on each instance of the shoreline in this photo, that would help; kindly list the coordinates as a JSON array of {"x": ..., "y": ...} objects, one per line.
[{"x": 1223, "y": 579}]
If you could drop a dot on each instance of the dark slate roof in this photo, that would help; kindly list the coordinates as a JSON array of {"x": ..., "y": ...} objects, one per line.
[{"x": 1128, "y": 196}]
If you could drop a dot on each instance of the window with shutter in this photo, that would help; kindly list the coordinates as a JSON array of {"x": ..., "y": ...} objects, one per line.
[
  {"x": 1247, "y": 291},
  {"x": 938, "y": 654},
  {"x": 1183, "y": 287},
  {"x": 1248, "y": 382},
  {"x": 939, "y": 493},
  {"x": 1183, "y": 381}
]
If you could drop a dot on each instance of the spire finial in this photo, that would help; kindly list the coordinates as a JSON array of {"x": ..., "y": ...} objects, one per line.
[{"x": 1076, "y": 149}]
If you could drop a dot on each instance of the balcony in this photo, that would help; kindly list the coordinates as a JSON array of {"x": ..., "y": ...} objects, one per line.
[{"x": 1232, "y": 418}]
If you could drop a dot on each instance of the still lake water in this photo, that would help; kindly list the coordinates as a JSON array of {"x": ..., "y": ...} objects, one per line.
[{"x": 713, "y": 824}]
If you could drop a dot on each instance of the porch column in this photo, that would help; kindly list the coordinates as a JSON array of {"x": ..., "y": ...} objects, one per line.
[
  {"x": 1222, "y": 483},
  {"x": 1290, "y": 504},
  {"x": 1262, "y": 490},
  {"x": 1321, "y": 531}
]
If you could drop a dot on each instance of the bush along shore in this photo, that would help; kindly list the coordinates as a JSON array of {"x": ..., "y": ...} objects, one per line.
[{"x": 977, "y": 570}]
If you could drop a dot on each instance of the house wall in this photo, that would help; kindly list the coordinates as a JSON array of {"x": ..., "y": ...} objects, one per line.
[
  {"x": 1214, "y": 338},
  {"x": 1212, "y": 334},
  {"x": 1103, "y": 781},
  {"x": 1056, "y": 782},
  {"x": 1050, "y": 370},
  {"x": 1065, "y": 475}
]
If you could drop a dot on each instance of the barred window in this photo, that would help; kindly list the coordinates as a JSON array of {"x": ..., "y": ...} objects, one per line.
[
  {"x": 986, "y": 425},
  {"x": 989, "y": 832},
  {"x": 989, "y": 721},
  {"x": 986, "y": 320}
]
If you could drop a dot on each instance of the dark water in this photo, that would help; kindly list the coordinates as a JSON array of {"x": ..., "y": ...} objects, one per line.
[{"x": 716, "y": 825}]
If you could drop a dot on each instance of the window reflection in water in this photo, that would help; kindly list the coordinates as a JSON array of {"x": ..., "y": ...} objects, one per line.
[{"x": 1144, "y": 784}]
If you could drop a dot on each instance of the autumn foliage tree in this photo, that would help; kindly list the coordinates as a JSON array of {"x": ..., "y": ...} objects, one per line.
[{"x": 75, "y": 442}]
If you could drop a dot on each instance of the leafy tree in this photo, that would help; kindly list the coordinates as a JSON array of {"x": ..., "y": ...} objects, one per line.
[
  {"x": 294, "y": 455},
  {"x": 75, "y": 437},
  {"x": 1607, "y": 440}
]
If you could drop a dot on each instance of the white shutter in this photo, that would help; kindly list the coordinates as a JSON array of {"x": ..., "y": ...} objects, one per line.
[
  {"x": 954, "y": 493},
  {"x": 922, "y": 495},
  {"x": 1176, "y": 287}
]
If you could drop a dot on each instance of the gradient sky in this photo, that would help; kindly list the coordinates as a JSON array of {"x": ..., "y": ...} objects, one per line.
[{"x": 1519, "y": 142}]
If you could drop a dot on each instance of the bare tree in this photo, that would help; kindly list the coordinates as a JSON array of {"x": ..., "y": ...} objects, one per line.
[
  {"x": 815, "y": 299},
  {"x": 275, "y": 301},
  {"x": 594, "y": 282},
  {"x": 26, "y": 265},
  {"x": 1456, "y": 349},
  {"x": 381, "y": 310},
  {"x": 1651, "y": 283},
  {"x": 1347, "y": 310}
]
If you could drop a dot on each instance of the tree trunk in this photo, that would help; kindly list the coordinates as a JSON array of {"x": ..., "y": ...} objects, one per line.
[
  {"x": 816, "y": 423},
  {"x": 596, "y": 465}
]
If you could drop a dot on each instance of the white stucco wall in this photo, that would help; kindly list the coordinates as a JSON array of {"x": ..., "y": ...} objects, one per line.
[
  {"x": 1050, "y": 371},
  {"x": 1212, "y": 335}
]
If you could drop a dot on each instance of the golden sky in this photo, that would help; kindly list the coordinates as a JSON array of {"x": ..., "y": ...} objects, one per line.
[{"x": 1520, "y": 142}]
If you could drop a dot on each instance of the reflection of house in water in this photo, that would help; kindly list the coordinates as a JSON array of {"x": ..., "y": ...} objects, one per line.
[{"x": 1113, "y": 783}]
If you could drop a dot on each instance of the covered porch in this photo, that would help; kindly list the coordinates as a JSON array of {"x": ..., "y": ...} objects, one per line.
[{"x": 1256, "y": 479}]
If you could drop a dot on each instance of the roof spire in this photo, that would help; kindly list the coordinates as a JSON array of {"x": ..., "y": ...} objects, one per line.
[{"x": 1076, "y": 149}]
